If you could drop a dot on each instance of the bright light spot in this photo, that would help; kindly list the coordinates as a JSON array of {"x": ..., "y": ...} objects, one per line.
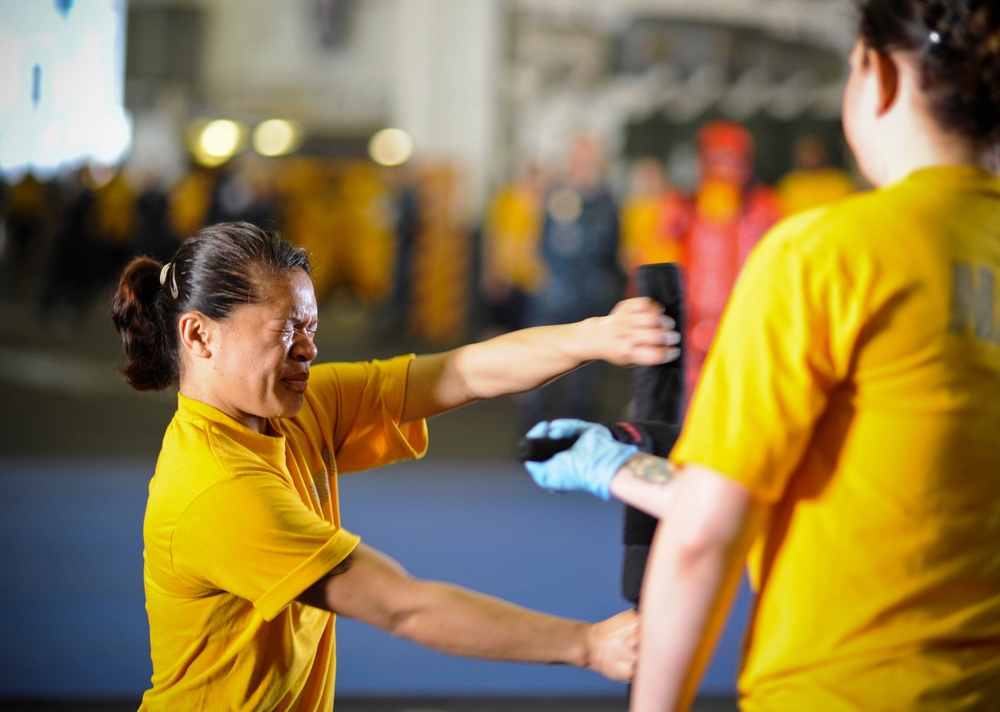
[
  {"x": 212, "y": 143},
  {"x": 390, "y": 147},
  {"x": 220, "y": 138},
  {"x": 276, "y": 137}
]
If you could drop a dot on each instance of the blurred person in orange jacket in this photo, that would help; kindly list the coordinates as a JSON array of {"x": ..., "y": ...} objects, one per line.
[{"x": 728, "y": 215}]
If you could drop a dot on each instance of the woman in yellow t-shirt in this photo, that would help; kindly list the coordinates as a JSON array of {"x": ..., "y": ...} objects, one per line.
[
  {"x": 245, "y": 558},
  {"x": 843, "y": 437}
]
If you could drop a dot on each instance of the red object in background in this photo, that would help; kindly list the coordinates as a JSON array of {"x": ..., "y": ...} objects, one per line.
[{"x": 727, "y": 217}]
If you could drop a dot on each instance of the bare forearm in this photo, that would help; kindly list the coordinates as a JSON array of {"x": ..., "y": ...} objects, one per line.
[
  {"x": 374, "y": 589},
  {"x": 694, "y": 569},
  {"x": 635, "y": 332},
  {"x": 454, "y": 620},
  {"x": 461, "y": 622},
  {"x": 685, "y": 603},
  {"x": 523, "y": 360},
  {"x": 510, "y": 363}
]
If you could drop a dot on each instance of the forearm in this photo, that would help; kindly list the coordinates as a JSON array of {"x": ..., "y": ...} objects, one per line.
[
  {"x": 454, "y": 620},
  {"x": 514, "y": 362},
  {"x": 646, "y": 482},
  {"x": 526, "y": 359},
  {"x": 635, "y": 332},
  {"x": 684, "y": 605},
  {"x": 694, "y": 569},
  {"x": 372, "y": 588}
]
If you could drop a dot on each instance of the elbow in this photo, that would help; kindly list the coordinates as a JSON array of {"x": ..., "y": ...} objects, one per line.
[
  {"x": 403, "y": 625},
  {"x": 424, "y": 615},
  {"x": 401, "y": 619},
  {"x": 696, "y": 549},
  {"x": 721, "y": 526}
]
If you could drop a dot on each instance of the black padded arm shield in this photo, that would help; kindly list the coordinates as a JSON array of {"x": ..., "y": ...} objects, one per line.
[{"x": 658, "y": 397}]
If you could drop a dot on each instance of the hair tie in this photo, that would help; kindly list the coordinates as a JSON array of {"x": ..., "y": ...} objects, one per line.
[{"x": 167, "y": 269}]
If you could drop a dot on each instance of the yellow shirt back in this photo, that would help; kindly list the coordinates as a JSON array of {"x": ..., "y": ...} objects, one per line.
[{"x": 855, "y": 386}]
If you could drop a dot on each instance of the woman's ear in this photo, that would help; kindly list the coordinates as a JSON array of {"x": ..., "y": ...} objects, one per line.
[
  {"x": 196, "y": 334},
  {"x": 887, "y": 72}
]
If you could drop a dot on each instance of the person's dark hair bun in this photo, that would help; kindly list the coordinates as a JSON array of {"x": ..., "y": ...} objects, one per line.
[
  {"x": 959, "y": 46},
  {"x": 139, "y": 311}
]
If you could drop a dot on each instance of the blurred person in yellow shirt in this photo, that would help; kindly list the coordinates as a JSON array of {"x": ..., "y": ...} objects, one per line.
[
  {"x": 813, "y": 181},
  {"x": 511, "y": 267},
  {"x": 651, "y": 212}
]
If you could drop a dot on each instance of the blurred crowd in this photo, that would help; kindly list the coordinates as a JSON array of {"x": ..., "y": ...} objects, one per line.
[
  {"x": 554, "y": 244},
  {"x": 564, "y": 246},
  {"x": 64, "y": 241}
]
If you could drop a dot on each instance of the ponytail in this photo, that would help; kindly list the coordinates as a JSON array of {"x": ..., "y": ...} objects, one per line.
[{"x": 144, "y": 314}]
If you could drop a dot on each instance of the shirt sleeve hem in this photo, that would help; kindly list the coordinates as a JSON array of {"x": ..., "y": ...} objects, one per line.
[
  {"x": 682, "y": 456},
  {"x": 306, "y": 574}
]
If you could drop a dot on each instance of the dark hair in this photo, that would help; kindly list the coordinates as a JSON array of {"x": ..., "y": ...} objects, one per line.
[
  {"x": 958, "y": 42},
  {"x": 214, "y": 271}
]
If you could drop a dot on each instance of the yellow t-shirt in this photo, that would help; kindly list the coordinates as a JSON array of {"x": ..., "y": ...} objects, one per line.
[
  {"x": 802, "y": 190},
  {"x": 239, "y": 523},
  {"x": 511, "y": 234},
  {"x": 855, "y": 386},
  {"x": 645, "y": 225}
]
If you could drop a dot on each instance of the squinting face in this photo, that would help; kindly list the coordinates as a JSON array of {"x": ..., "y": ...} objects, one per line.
[{"x": 262, "y": 358}]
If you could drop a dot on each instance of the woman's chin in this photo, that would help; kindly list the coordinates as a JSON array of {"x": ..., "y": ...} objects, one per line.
[{"x": 288, "y": 405}]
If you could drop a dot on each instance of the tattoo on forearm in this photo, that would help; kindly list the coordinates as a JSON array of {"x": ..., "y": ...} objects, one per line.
[{"x": 651, "y": 469}]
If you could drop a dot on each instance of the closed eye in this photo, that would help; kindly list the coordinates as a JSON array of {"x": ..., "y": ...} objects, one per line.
[{"x": 310, "y": 330}]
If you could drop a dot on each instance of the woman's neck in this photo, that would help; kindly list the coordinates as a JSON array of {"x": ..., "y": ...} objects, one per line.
[
  {"x": 912, "y": 140},
  {"x": 195, "y": 391}
]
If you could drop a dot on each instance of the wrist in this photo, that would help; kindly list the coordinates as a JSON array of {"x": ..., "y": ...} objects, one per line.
[
  {"x": 589, "y": 641},
  {"x": 574, "y": 643},
  {"x": 618, "y": 460},
  {"x": 585, "y": 341}
]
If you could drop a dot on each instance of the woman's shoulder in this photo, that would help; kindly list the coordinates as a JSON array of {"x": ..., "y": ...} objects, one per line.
[
  {"x": 842, "y": 222},
  {"x": 337, "y": 385},
  {"x": 347, "y": 371},
  {"x": 880, "y": 216}
]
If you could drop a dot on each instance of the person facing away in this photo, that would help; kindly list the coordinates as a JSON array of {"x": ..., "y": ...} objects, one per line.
[
  {"x": 843, "y": 438},
  {"x": 246, "y": 561}
]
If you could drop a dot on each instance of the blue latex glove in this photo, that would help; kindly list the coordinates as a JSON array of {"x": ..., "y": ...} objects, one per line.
[{"x": 589, "y": 465}]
